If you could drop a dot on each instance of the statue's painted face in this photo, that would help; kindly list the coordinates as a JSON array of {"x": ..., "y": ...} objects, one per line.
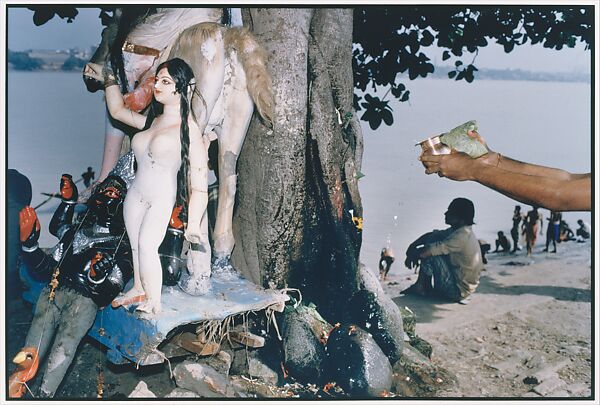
[
  {"x": 164, "y": 88},
  {"x": 108, "y": 198}
]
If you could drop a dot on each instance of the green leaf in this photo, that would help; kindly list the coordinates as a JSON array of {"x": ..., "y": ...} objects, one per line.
[
  {"x": 387, "y": 117},
  {"x": 375, "y": 122},
  {"x": 427, "y": 38}
]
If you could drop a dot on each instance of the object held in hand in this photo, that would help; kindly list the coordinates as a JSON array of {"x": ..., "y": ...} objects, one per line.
[
  {"x": 458, "y": 138},
  {"x": 434, "y": 146}
]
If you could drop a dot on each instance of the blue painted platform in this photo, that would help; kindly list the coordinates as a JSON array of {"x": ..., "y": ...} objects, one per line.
[{"x": 135, "y": 336}]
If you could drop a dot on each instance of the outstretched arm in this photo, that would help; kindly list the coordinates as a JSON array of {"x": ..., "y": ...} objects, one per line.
[
  {"x": 63, "y": 216},
  {"x": 39, "y": 262},
  {"x": 118, "y": 110},
  {"x": 550, "y": 188}
]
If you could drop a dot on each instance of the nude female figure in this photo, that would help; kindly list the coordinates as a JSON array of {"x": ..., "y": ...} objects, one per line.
[{"x": 172, "y": 168}]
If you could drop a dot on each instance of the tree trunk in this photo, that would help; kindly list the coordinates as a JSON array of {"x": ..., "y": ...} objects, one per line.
[{"x": 297, "y": 184}]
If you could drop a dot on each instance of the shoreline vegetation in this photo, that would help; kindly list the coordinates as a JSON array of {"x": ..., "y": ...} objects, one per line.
[
  {"x": 75, "y": 59},
  {"x": 49, "y": 60}
]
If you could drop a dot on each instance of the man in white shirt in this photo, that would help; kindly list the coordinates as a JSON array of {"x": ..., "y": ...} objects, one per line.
[{"x": 451, "y": 257}]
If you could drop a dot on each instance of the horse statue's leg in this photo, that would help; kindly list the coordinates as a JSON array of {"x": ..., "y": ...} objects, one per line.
[
  {"x": 247, "y": 84},
  {"x": 238, "y": 109},
  {"x": 201, "y": 46}
]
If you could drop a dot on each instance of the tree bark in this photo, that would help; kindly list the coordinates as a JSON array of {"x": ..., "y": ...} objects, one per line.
[{"x": 297, "y": 184}]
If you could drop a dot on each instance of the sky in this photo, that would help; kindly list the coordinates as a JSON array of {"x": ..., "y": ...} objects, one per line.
[{"x": 85, "y": 30}]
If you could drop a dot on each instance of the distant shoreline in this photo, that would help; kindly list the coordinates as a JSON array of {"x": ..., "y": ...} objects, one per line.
[
  {"x": 75, "y": 59},
  {"x": 508, "y": 75}
]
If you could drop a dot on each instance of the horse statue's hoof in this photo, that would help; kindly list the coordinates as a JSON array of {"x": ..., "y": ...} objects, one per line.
[
  {"x": 199, "y": 285},
  {"x": 222, "y": 268}
]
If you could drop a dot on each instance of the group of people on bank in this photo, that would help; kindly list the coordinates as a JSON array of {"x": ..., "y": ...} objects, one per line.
[{"x": 453, "y": 258}]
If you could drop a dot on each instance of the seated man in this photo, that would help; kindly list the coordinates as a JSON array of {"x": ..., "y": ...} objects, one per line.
[
  {"x": 89, "y": 266},
  {"x": 502, "y": 243},
  {"x": 584, "y": 230},
  {"x": 451, "y": 257}
]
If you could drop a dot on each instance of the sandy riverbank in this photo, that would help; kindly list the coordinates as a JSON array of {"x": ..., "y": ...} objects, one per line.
[{"x": 527, "y": 313}]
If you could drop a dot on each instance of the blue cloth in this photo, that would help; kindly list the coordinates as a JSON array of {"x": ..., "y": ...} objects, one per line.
[{"x": 19, "y": 195}]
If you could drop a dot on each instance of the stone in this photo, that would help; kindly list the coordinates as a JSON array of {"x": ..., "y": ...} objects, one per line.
[
  {"x": 409, "y": 321},
  {"x": 257, "y": 369},
  {"x": 549, "y": 385},
  {"x": 544, "y": 372},
  {"x": 201, "y": 379},
  {"x": 221, "y": 362},
  {"x": 368, "y": 280},
  {"x": 423, "y": 346},
  {"x": 181, "y": 393},
  {"x": 356, "y": 363},
  {"x": 416, "y": 376},
  {"x": 578, "y": 390},
  {"x": 304, "y": 333},
  {"x": 245, "y": 388},
  {"x": 376, "y": 313},
  {"x": 141, "y": 391},
  {"x": 562, "y": 393}
]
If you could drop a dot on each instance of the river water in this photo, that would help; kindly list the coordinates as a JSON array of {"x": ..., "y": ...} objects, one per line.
[{"x": 55, "y": 126}]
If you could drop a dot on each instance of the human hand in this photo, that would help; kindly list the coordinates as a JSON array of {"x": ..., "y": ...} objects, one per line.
[
  {"x": 475, "y": 135},
  {"x": 457, "y": 166},
  {"x": 29, "y": 227},
  {"x": 68, "y": 189},
  {"x": 100, "y": 266},
  {"x": 412, "y": 262}
]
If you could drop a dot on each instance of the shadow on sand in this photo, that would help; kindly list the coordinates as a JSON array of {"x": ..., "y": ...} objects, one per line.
[{"x": 430, "y": 308}]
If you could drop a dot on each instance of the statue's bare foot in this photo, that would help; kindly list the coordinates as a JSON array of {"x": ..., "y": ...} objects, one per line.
[
  {"x": 133, "y": 296},
  {"x": 149, "y": 307}
]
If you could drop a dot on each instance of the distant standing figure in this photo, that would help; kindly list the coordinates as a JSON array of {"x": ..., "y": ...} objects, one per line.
[
  {"x": 532, "y": 223},
  {"x": 553, "y": 230},
  {"x": 88, "y": 176},
  {"x": 502, "y": 243},
  {"x": 385, "y": 262},
  {"x": 485, "y": 248},
  {"x": 514, "y": 231},
  {"x": 584, "y": 230}
]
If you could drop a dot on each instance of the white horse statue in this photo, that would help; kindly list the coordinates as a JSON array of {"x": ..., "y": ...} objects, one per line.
[{"x": 231, "y": 79}]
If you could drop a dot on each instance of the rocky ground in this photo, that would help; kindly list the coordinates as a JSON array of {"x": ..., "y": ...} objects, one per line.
[{"x": 526, "y": 333}]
